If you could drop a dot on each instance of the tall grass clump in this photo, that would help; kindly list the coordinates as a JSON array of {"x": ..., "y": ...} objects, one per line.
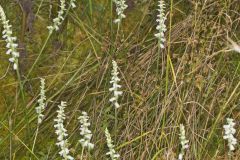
[{"x": 155, "y": 63}]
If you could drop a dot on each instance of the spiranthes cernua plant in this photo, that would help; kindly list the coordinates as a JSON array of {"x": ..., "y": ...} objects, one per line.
[
  {"x": 59, "y": 19},
  {"x": 121, "y": 6},
  {"x": 62, "y": 132},
  {"x": 229, "y": 132},
  {"x": 10, "y": 40},
  {"x": 112, "y": 153},
  {"x": 41, "y": 101},
  {"x": 85, "y": 132},
  {"x": 183, "y": 140},
  {"x": 161, "y": 27},
  {"x": 115, "y": 86}
]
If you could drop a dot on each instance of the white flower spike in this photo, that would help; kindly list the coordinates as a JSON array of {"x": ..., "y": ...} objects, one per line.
[
  {"x": 161, "y": 27},
  {"x": 120, "y": 8},
  {"x": 62, "y": 132},
  {"x": 41, "y": 102},
  {"x": 115, "y": 86},
  {"x": 59, "y": 19},
  {"x": 184, "y": 142},
  {"x": 85, "y": 132},
  {"x": 10, "y": 40},
  {"x": 112, "y": 153},
  {"x": 229, "y": 132}
]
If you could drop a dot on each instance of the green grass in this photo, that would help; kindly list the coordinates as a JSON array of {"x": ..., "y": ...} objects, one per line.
[{"x": 193, "y": 81}]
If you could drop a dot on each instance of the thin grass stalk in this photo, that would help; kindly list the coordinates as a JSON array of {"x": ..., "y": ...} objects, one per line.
[
  {"x": 40, "y": 5},
  {"x": 19, "y": 140},
  {"x": 91, "y": 10},
  {"x": 116, "y": 124},
  {"x": 82, "y": 152},
  {"x": 111, "y": 25},
  {"x": 35, "y": 138},
  {"x": 169, "y": 50}
]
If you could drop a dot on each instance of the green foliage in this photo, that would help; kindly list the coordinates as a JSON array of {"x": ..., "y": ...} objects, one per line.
[{"x": 194, "y": 81}]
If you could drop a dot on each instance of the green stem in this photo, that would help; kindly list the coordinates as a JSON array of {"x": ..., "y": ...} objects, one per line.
[
  {"x": 116, "y": 123},
  {"x": 91, "y": 10},
  {"x": 169, "y": 50},
  {"x": 40, "y": 53},
  {"x": 39, "y": 8},
  {"x": 35, "y": 138},
  {"x": 82, "y": 153}
]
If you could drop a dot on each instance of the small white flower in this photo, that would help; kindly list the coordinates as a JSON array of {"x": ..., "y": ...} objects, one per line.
[
  {"x": 10, "y": 40},
  {"x": 112, "y": 153},
  {"x": 41, "y": 101},
  {"x": 120, "y": 8},
  {"x": 161, "y": 27},
  {"x": 72, "y": 3},
  {"x": 62, "y": 132},
  {"x": 234, "y": 46},
  {"x": 115, "y": 86},
  {"x": 183, "y": 141},
  {"x": 229, "y": 132},
  {"x": 180, "y": 156},
  {"x": 85, "y": 132}
]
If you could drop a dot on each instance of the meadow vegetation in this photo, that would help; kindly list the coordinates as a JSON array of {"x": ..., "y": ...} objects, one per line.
[{"x": 119, "y": 79}]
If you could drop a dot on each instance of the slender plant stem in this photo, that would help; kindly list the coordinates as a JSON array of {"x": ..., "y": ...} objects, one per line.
[
  {"x": 82, "y": 153},
  {"x": 10, "y": 137},
  {"x": 40, "y": 53},
  {"x": 116, "y": 123},
  {"x": 169, "y": 50},
  {"x": 39, "y": 7},
  {"x": 23, "y": 98},
  {"x": 35, "y": 138},
  {"x": 91, "y": 10},
  {"x": 111, "y": 25}
]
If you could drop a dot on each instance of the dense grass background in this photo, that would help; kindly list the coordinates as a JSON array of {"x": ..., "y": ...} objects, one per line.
[{"x": 194, "y": 81}]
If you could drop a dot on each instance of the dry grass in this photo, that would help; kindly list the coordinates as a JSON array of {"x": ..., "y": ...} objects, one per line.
[{"x": 196, "y": 81}]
